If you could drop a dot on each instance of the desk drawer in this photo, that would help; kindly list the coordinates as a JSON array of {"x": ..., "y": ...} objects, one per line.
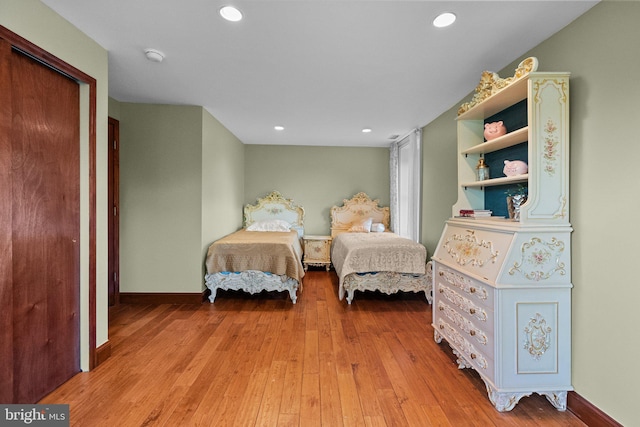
[
  {"x": 480, "y": 361},
  {"x": 473, "y": 290}
]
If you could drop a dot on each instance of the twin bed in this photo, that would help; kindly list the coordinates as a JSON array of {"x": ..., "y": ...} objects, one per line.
[
  {"x": 266, "y": 255},
  {"x": 368, "y": 257}
]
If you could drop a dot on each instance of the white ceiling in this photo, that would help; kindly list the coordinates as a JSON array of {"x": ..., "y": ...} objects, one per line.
[{"x": 322, "y": 69}]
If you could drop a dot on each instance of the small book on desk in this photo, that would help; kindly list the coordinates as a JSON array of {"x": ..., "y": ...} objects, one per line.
[{"x": 475, "y": 213}]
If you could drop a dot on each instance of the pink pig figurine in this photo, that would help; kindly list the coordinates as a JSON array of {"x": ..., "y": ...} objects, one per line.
[
  {"x": 515, "y": 167},
  {"x": 494, "y": 130}
]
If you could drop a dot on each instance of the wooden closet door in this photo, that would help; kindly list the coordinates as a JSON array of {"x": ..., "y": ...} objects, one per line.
[
  {"x": 6, "y": 263},
  {"x": 45, "y": 227}
]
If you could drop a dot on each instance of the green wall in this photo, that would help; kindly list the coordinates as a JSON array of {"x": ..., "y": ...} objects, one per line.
[
  {"x": 160, "y": 198},
  {"x": 181, "y": 186},
  {"x": 600, "y": 50},
  {"x": 316, "y": 178},
  {"x": 222, "y": 183},
  {"x": 184, "y": 180},
  {"x": 439, "y": 176}
]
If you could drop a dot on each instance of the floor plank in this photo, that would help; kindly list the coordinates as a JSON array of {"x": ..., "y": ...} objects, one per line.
[{"x": 259, "y": 360}]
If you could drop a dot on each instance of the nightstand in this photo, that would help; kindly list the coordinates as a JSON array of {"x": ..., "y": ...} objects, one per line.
[{"x": 317, "y": 251}]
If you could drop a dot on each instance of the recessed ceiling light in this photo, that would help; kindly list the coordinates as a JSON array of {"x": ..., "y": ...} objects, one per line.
[
  {"x": 444, "y": 20},
  {"x": 278, "y": 127},
  {"x": 230, "y": 13},
  {"x": 366, "y": 130}
]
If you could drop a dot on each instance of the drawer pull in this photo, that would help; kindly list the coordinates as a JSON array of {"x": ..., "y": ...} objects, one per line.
[
  {"x": 441, "y": 273},
  {"x": 441, "y": 308},
  {"x": 472, "y": 311},
  {"x": 473, "y": 355},
  {"x": 441, "y": 326},
  {"x": 441, "y": 290},
  {"x": 472, "y": 290},
  {"x": 472, "y": 333}
]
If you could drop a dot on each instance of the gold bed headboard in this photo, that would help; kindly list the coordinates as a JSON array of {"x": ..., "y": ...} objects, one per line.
[
  {"x": 356, "y": 209},
  {"x": 274, "y": 206}
]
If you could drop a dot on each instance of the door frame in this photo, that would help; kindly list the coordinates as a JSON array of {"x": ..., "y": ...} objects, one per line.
[
  {"x": 114, "y": 212},
  {"x": 30, "y": 49}
]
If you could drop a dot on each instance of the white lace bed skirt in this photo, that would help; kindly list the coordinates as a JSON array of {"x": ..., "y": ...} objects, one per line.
[
  {"x": 388, "y": 283},
  {"x": 252, "y": 281}
]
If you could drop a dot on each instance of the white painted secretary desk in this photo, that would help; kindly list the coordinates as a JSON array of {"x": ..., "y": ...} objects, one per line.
[{"x": 502, "y": 287}]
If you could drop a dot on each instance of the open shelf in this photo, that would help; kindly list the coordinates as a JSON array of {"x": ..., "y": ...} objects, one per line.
[
  {"x": 517, "y": 91},
  {"x": 496, "y": 181},
  {"x": 504, "y": 141}
]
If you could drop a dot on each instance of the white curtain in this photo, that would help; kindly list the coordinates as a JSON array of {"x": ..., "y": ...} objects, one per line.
[
  {"x": 406, "y": 183},
  {"x": 393, "y": 182}
]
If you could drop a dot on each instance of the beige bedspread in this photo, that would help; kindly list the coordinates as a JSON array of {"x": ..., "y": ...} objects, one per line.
[
  {"x": 369, "y": 252},
  {"x": 275, "y": 252}
]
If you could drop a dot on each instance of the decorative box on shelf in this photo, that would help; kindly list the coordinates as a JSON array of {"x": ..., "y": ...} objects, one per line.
[
  {"x": 317, "y": 251},
  {"x": 502, "y": 287}
]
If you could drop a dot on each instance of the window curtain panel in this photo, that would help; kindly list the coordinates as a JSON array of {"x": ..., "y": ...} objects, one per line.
[
  {"x": 405, "y": 185},
  {"x": 393, "y": 184}
]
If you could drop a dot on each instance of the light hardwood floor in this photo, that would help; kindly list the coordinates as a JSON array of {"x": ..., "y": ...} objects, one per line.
[{"x": 261, "y": 361}]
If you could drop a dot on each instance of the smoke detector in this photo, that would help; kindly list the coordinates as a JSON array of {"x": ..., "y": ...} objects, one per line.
[{"x": 154, "y": 55}]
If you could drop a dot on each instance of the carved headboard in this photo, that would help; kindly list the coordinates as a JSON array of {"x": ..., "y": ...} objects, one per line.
[
  {"x": 274, "y": 206},
  {"x": 356, "y": 209}
]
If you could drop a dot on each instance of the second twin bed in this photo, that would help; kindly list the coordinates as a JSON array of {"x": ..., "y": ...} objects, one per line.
[{"x": 368, "y": 257}]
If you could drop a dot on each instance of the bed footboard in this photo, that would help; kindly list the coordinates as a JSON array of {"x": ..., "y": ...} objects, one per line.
[
  {"x": 252, "y": 281},
  {"x": 388, "y": 283}
]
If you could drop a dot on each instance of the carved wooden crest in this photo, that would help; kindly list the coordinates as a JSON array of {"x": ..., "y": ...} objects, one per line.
[{"x": 491, "y": 83}]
